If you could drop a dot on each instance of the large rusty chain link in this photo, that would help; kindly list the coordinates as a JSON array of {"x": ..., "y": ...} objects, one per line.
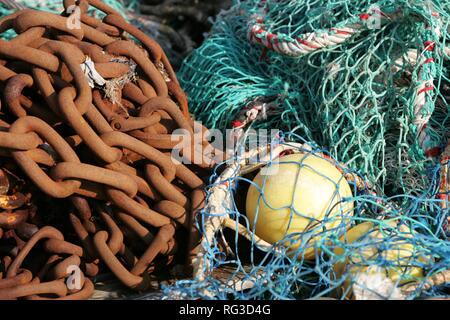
[{"x": 99, "y": 142}]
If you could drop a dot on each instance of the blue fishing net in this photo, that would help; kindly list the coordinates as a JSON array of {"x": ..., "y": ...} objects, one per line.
[{"x": 363, "y": 245}]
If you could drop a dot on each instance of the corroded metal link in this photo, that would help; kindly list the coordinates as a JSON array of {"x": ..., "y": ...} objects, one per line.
[
  {"x": 160, "y": 244},
  {"x": 36, "y": 57},
  {"x": 37, "y": 42},
  {"x": 73, "y": 116},
  {"x": 126, "y": 277},
  {"x": 6, "y": 260},
  {"x": 59, "y": 271},
  {"x": 106, "y": 108},
  {"x": 137, "y": 210},
  {"x": 164, "y": 187},
  {"x": 85, "y": 293},
  {"x": 96, "y": 36},
  {"x": 44, "y": 233},
  {"x": 143, "y": 187},
  {"x": 153, "y": 47},
  {"x": 188, "y": 177},
  {"x": 13, "y": 91},
  {"x": 134, "y": 123},
  {"x": 83, "y": 236},
  {"x": 142, "y": 232},
  {"x": 6, "y": 73},
  {"x": 97, "y": 120},
  {"x": 43, "y": 82},
  {"x": 91, "y": 269},
  {"x": 158, "y": 141},
  {"x": 180, "y": 97},
  {"x": 41, "y": 157},
  {"x": 20, "y": 105},
  {"x": 36, "y": 174},
  {"x": 34, "y": 18},
  {"x": 95, "y": 52},
  {"x": 163, "y": 103},
  {"x": 92, "y": 190},
  {"x": 119, "y": 139},
  {"x": 174, "y": 211},
  {"x": 84, "y": 211},
  {"x": 128, "y": 257},
  {"x": 134, "y": 93},
  {"x": 70, "y": 170},
  {"x": 198, "y": 198},
  {"x": 115, "y": 240},
  {"x": 146, "y": 89},
  {"x": 26, "y": 230},
  {"x": 7, "y": 22},
  {"x": 19, "y": 243},
  {"x": 29, "y": 37},
  {"x": 57, "y": 246},
  {"x": 100, "y": 26},
  {"x": 50, "y": 263},
  {"x": 157, "y": 55},
  {"x": 32, "y": 108},
  {"x": 73, "y": 58},
  {"x": 22, "y": 277},
  {"x": 109, "y": 70},
  {"x": 19, "y": 141},
  {"x": 131, "y": 50},
  {"x": 57, "y": 287}
]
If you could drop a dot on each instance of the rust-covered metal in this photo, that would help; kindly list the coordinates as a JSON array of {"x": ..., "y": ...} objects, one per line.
[{"x": 87, "y": 182}]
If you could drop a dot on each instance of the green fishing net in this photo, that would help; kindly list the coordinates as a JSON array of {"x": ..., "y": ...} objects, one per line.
[
  {"x": 357, "y": 98},
  {"x": 364, "y": 83}
]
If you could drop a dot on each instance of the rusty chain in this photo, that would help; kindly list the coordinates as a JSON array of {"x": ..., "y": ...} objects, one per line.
[{"x": 101, "y": 149}]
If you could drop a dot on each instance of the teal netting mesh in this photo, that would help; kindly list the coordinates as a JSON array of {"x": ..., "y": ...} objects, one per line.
[
  {"x": 368, "y": 82},
  {"x": 357, "y": 98}
]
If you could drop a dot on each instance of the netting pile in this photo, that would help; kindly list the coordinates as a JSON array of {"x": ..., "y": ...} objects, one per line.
[
  {"x": 366, "y": 97},
  {"x": 366, "y": 84},
  {"x": 362, "y": 245}
]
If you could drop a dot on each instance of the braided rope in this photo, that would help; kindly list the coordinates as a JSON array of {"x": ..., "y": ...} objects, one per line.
[
  {"x": 423, "y": 103},
  {"x": 313, "y": 41}
]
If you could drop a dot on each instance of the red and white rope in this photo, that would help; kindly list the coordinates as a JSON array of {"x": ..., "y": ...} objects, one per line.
[
  {"x": 308, "y": 42},
  {"x": 305, "y": 44},
  {"x": 425, "y": 92}
]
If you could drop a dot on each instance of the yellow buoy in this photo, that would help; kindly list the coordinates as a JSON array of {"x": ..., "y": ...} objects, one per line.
[
  {"x": 388, "y": 242},
  {"x": 312, "y": 186}
]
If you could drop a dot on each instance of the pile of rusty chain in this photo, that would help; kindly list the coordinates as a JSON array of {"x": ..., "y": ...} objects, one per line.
[{"x": 86, "y": 135}]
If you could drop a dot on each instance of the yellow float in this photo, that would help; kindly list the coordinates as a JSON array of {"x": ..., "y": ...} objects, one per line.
[
  {"x": 312, "y": 186},
  {"x": 401, "y": 255}
]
